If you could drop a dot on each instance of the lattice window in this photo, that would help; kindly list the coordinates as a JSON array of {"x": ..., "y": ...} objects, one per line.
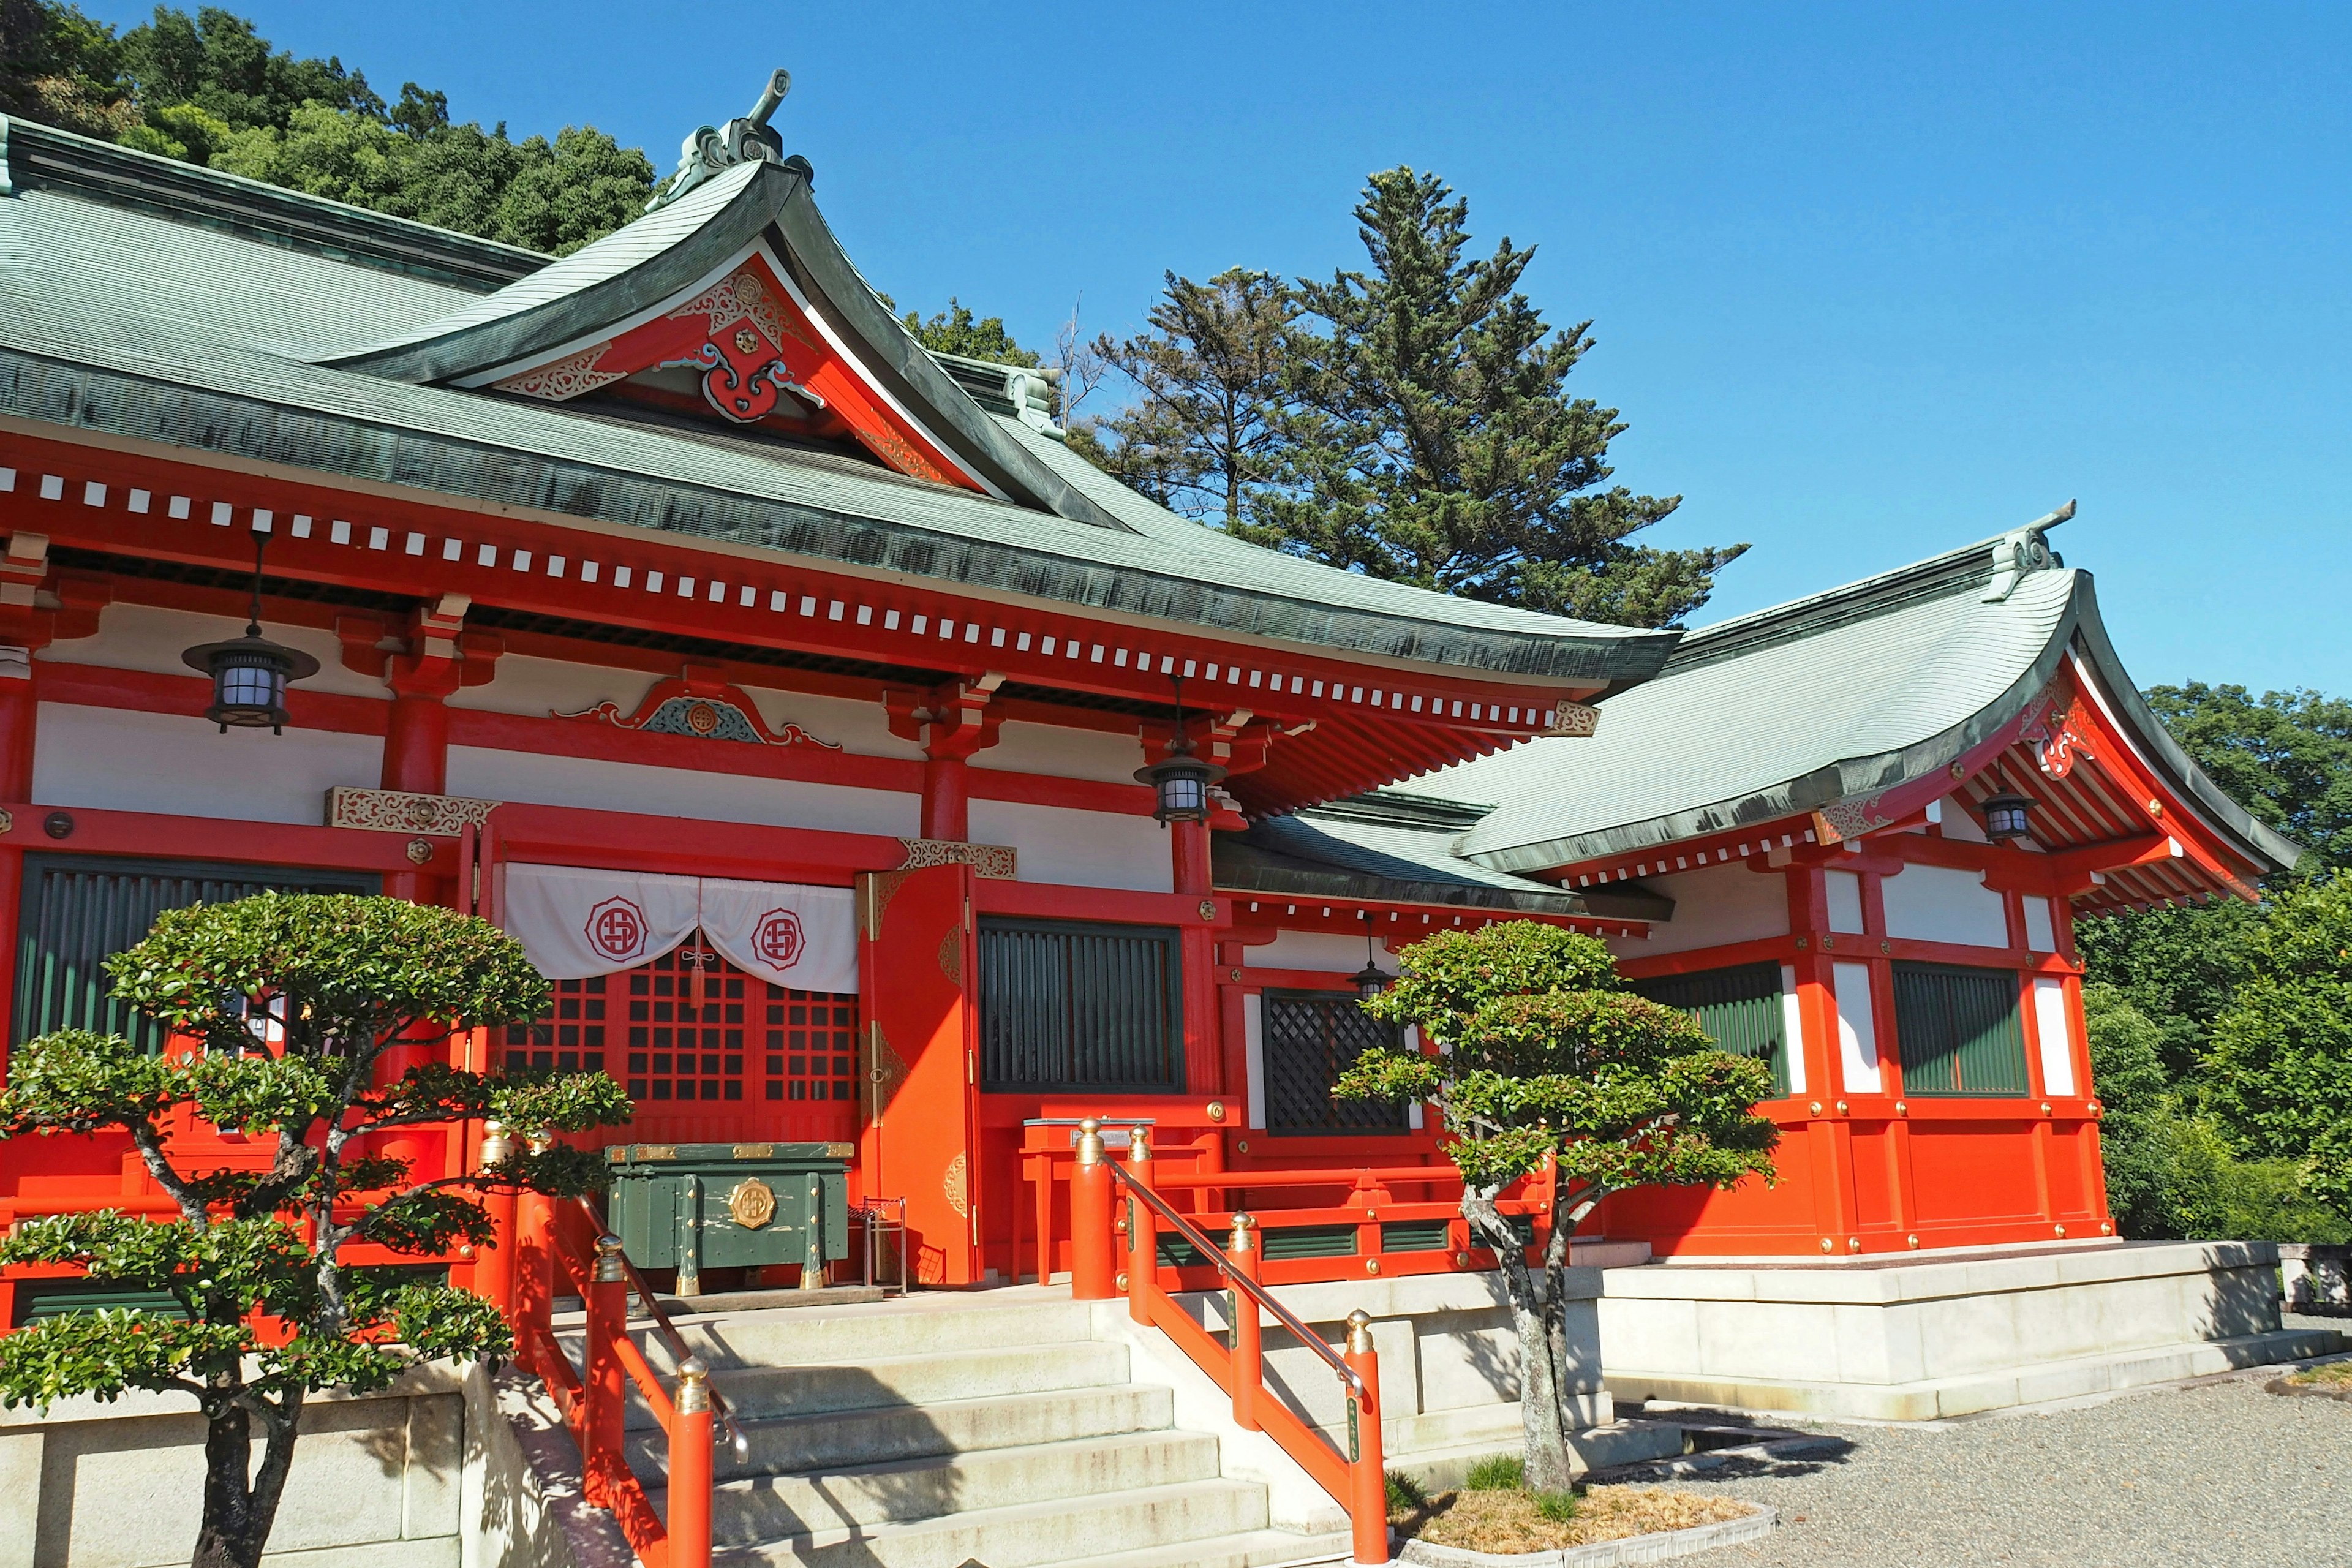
[
  {"x": 691, "y": 1027},
  {"x": 1959, "y": 1031},
  {"x": 1310, "y": 1038},
  {"x": 568, "y": 1036},
  {"x": 811, "y": 1042},
  {"x": 1739, "y": 1009}
]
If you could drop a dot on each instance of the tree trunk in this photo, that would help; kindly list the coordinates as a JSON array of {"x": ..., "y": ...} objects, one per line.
[
  {"x": 238, "y": 1514},
  {"x": 1551, "y": 1464}
]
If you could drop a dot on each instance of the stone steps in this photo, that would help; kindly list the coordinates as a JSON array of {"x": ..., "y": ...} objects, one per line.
[
  {"x": 941, "y": 1430},
  {"x": 750, "y": 1509},
  {"x": 757, "y": 1392},
  {"x": 840, "y": 1439},
  {"x": 1197, "y": 1517}
]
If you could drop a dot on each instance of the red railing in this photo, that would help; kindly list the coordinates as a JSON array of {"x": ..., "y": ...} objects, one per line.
[
  {"x": 564, "y": 1245},
  {"x": 1355, "y": 1478},
  {"x": 1361, "y": 1199}
]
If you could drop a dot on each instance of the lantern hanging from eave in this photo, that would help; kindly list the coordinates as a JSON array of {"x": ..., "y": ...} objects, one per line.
[{"x": 250, "y": 673}]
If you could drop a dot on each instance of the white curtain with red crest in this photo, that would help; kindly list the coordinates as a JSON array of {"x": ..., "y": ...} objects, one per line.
[{"x": 576, "y": 921}]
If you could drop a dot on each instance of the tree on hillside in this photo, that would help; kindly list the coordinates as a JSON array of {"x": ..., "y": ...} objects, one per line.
[
  {"x": 2280, "y": 1071},
  {"x": 2286, "y": 756},
  {"x": 1207, "y": 434},
  {"x": 1434, "y": 442},
  {"x": 1548, "y": 1060},
  {"x": 957, "y": 331},
  {"x": 283, "y": 1005},
  {"x": 210, "y": 89}
]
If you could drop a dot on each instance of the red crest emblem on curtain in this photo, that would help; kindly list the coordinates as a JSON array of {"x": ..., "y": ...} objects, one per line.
[{"x": 778, "y": 938}]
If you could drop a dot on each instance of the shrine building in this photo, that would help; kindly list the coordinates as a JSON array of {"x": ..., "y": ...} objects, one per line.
[{"x": 866, "y": 769}]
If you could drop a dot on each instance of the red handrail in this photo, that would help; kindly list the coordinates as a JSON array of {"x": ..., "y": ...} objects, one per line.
[
  {"x": 1356, "y": 1478},
  {"x": 549, "y": 1251}
]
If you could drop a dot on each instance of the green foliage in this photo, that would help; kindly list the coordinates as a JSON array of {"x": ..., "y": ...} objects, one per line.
[
  {"x": 1208, "y": 434},
  {"x": 1497, "y": 1473},
  {"x": 2287, "y": 757},
  {"x": 2177, "y": 966},
  {"x": 332, "y": 981},
  {"x": 1559, "y": 1507},
  {"x": 1433, "y": 439},
  {"x": 955, "y": 330},
  {"x": 2280, "y": 1072},
  {"x": 209, "y": 90},
  {"x": 1406, "y": 1494},
  {"x": 1547, "y": 1061}
]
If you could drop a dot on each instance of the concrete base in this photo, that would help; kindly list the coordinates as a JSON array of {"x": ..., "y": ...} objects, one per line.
[
  {"x": 1946, "y": 1334},
  {"x": 2316, "y": 1278}
]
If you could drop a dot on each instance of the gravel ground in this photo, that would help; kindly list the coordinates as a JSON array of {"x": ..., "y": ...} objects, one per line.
[{"x": 2218, "y": 1474}]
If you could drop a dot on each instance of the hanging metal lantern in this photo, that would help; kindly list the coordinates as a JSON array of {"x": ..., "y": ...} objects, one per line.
[
  {"x": 1370, "y": 979},
  {"x": 2005, "y": 817},
  {"x": 1181, "y": 781},
  {"x": 250, "y": 673}
]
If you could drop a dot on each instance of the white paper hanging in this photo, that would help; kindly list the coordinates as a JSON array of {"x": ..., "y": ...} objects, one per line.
[
  {"x": 576, "y": 921},
  {"x": 784, "y": 932}
]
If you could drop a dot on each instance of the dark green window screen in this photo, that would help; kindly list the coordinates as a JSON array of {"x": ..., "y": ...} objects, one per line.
[
  {"x": 1959, "y": 1031},
  {"x": 1067, "y": 1005},
  {"x": 1309, "y": 1038},
  {"x": 82, "y": 909},
  {"x": 1739, "y": 1009}
]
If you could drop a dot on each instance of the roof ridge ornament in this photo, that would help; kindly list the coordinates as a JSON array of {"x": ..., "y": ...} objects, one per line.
[
  {"x": 748, "y": 139},
  {"x": 2022, "y": 551}
]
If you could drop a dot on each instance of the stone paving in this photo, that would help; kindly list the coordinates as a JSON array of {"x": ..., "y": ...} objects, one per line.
[{"x": 2214, "y": 1475}]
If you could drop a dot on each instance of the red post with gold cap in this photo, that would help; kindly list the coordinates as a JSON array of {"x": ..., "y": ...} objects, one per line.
[
  {"x": 689, "y": 1467},
  {"x": 1143, "y": 1230},
  {"x": 1093, "y": 1257},
  {"x": 1367, "y": 1482},
  {"x": 602, "y": 1387},
  {"x": 1248, "y": 1370}
]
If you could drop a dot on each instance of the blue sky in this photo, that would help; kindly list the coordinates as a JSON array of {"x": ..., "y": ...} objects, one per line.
[{"x": 1868, "y": 281}]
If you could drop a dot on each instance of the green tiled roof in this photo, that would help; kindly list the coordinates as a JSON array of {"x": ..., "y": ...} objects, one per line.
[
  {"x": 1838, "y": 696},
  {"x": 197, "y": 334}
]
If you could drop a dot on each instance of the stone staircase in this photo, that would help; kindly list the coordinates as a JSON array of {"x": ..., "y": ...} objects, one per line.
[{"x": 944, "y": 1430}]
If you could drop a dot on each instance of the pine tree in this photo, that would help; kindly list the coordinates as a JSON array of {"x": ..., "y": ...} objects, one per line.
[
  {"x": 1433, "y": 440},
  {"x": 1207, "y": 435}
]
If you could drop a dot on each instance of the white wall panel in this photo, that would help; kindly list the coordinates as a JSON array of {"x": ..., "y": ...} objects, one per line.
[
  {"x": 1338, "y": 954},
  {"x": 538, "y": 688},
  {"x": 1083, "y": 848},
  {"x": 1857, "y": 1029},
  {"x": 1792, "y": 1029},
  {"x": 150, "y": 638},
  {"x": 115, "y": 759},
  {"x": 2041, "y": 927},
  {"x": 1845, "y": 900},
  {"x": 2057, "y": 1040},
  {"x": 599, "y": 786},
  {"x": 1253, "y": 1055},
  {"x": 1059, "y": 753},
  {"x": 1719, "y": 905},
  {"x": 1937, "y": 903}
]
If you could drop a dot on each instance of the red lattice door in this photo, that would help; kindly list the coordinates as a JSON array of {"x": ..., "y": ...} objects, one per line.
[{"x": 707, "y": 1053}]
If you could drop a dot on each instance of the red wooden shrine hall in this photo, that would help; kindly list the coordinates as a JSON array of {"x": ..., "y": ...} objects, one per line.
[{"x": 784, "y": 688}]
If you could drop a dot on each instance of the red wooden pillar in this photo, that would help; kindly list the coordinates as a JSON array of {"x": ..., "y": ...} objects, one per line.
[
  {"x": 19, "y": 708},
  {"x": 1827, "y": 1141},
  {"x": 946, "y": 798}
]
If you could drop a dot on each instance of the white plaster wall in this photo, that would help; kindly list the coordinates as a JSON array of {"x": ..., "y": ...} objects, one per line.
[
  {"x": 2040, "y": 925},
  {"x": 1792, "y": 1028},
  {"x": 1959, "y": 822},
  {"x": 115, "y": 759},
  {"x": 1844, "y": 889},
  {"x": 1937, "y": 904},
  {"x": 1713, "y": 907},
  {"x": 1083, "y": 848},
  {"x": 149, "y": 637},
  {"x": 1052, "y": 750},
  {"x": 2051, "y": 1032},
  {"x": 601, "y": 785},
  {"x": 1857, "y": 1028},
  {"x": 541, "y": 687},
  {"x": 1319, "y": 950}
]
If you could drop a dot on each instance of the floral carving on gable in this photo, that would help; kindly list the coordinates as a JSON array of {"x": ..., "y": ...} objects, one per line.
[
  {"x": 2060, "y": 736},
  {"x": 566, "y": 378},
  {"x": 699, "y": 710}
]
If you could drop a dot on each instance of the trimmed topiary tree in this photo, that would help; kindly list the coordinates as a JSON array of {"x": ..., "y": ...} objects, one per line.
[
  {"x": 282, "y": 1005},
  {"x": 1546, "y": 1057}
]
